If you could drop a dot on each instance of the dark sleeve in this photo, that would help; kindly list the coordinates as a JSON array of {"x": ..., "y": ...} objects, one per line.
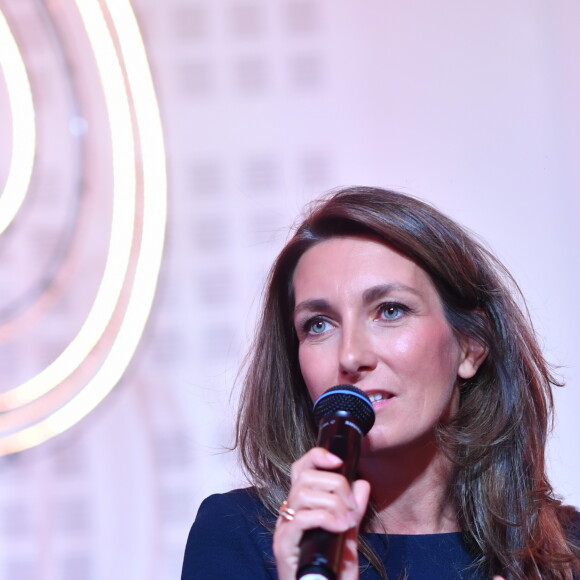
[
  {"x": 574, "y": 527},
  {"x": 229, "y": 541},
  {"x": 570, "y": 519},
  {"x": 571, "y": 522}
]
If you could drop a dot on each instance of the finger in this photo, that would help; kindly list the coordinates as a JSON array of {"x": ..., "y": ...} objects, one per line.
[
  {"x": 337, "y": 519},
  {"x": 314, "y": 490},
  {"x": 323, "y": 481},
  {"x": 349, "y": 569},
  {"x": 317, "y": 518},
  {"x": 361, "y": 491},
  {"x": 318, "y": 498},
  {"x": 288, "y": 535},
  {"x": 310, "y": 478},
  {"x": 315, "y": 458},
  {"x": 341, "y": 503}
]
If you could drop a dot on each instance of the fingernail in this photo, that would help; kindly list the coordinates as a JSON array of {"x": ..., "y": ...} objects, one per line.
[{"x": 333, "y": 458}]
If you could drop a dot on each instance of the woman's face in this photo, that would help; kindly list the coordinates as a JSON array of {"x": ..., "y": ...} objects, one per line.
[{"x": 368, "y": 316}]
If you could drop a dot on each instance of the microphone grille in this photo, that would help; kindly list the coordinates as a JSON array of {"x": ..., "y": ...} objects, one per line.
[{"x": 346, "y": 399}]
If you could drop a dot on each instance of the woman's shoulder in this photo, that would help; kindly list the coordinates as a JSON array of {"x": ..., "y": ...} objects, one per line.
[
  {"x": 243, "y": 502},
  {"x": 230, "y": 534}
]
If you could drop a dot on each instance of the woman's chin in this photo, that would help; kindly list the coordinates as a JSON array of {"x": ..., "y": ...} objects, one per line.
[{"x": 382, "y": 441}]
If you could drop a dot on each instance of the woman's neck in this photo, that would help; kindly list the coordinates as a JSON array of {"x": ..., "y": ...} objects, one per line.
[{"x": 410, "y": 490}]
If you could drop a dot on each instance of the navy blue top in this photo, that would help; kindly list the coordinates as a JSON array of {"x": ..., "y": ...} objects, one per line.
[{"x": 230, "y": 539}]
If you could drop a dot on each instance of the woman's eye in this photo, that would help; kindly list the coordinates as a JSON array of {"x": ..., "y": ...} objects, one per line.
[
  {"x": 316, "y": 326},
  {"x": 391, "y": 311}
]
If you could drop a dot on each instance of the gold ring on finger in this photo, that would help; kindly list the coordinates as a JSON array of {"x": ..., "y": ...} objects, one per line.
[{"x": 286, "y": 512}]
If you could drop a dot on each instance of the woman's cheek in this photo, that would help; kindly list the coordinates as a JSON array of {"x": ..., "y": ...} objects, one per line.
[
  {"x": 316, "y": 369},
  {"x": 304, "y": 359},
  {"x": 401, "y": 344}
]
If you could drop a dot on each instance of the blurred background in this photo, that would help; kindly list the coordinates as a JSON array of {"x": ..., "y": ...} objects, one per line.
[{"x": 153, "y": 157}]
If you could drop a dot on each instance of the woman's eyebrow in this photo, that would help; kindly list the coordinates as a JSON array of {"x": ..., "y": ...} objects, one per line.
[
  {"x": 312, "y": 305},
  {"x": 381, "y": 290},
  {"x": 369, "y": 295}
]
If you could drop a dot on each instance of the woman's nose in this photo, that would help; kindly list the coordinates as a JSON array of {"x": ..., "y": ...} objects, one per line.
[{"x": 357, "y": 354}]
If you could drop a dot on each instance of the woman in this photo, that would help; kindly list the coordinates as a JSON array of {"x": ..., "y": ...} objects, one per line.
[{"x": 382, "y": 291}]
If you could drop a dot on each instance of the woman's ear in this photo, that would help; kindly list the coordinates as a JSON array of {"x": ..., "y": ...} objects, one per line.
[{"x": 473, "y": 353}]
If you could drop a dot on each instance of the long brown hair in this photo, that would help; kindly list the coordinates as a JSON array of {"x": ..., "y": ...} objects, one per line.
[{"x": 511, "y": 520}]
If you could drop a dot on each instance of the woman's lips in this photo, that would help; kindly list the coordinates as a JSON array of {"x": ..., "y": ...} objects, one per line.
[{"x": 379, "y": 398}]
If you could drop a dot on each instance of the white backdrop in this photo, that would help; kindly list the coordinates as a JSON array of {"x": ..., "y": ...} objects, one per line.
[{"x": 266, "y": 104}]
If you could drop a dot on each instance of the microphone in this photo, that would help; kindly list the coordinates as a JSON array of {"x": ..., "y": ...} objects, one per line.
[{"x": 344, "y": 415}]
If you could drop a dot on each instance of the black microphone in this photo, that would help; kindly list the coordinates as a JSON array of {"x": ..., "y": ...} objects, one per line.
[{"x": 344, "y": 415}]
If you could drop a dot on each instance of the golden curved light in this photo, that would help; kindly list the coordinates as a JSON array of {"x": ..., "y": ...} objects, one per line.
[
  {"x": 154, "y": 218},
  {"x": 143, "y": 252},
  {"x": 23, "y": 126},
  {"x": 124, "y": 180}
]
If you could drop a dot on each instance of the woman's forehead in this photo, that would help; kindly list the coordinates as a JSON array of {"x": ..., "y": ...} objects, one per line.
[{"x": 356, "y": 264}]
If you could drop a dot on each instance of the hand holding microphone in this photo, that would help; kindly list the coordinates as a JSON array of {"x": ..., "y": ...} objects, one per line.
[{"x": 316, "y": 535}]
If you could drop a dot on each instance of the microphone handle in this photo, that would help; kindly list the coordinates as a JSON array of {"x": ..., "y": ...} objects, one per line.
[{"x": 320, "y": 550}]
